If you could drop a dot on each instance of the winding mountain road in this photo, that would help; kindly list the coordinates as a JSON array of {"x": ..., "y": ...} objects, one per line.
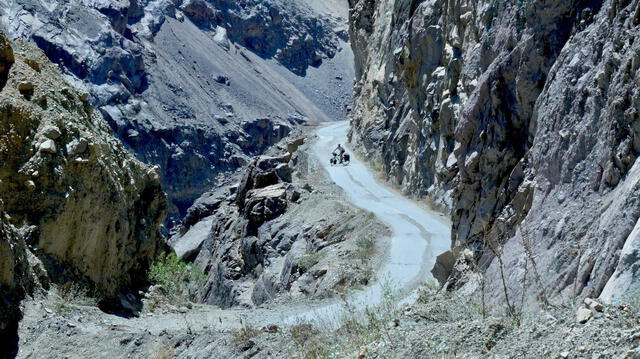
[{"x": 418, "y": 236}]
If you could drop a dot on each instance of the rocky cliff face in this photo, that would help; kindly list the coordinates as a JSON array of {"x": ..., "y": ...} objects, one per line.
[
  {"x": 74, "y": 200},
  {"x": 519, "y": 117},
  {"x": 180, "y": 81}
]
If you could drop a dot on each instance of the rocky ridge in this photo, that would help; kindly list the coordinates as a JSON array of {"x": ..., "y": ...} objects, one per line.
[
  {"x": 76, "y": 206},
  {"x": 277, "y": 231},
  {"x": 520, "y": 119}
]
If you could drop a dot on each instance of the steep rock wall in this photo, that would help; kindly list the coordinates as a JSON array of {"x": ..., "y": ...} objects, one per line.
[
  {"x": 86, "y": 207},
  {"x": 519, "y": 117}
]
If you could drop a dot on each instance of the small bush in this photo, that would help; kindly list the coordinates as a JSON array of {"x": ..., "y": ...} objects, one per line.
[
  {"x": 427, "y": 291},
  {"x": 73, "y": 293},
  {"x": 241, "y": 337},
  {"x": 164, "y": 352},
  {"x": 309, "y": 260},
  {"x": 309, "y": 341},
  {"x": 366, "y": 248},
  {"x": 61, "y": 308},
  {"x": 178, "y": 280},
  {"x": 303, "y": 332}
]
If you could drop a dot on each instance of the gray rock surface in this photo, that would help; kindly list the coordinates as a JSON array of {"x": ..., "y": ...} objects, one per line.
[
  {"x": 151, "y": 67},
  {"x": 93, "y": 214},
  {"x": 520, "y": 118},
  {"x": 265, "y": 237}
]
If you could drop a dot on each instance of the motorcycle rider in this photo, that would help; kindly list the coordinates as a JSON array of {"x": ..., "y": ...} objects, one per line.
[{"x": 338, "y": 155}]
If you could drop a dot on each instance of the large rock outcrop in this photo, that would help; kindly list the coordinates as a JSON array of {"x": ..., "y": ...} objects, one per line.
[
  {"x": 84, "y": 205},
  {"x": 519, "y": 117},
  {"x": 177, "y": 80},
  {"x": 280, "y": 230}
]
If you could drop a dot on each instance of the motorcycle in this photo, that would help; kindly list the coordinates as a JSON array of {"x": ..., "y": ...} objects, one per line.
[{"x": 338, "y": 159}]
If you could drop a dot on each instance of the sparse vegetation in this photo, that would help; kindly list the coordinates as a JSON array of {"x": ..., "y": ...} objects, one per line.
[
  {"x": 242, "y": 337},
  {"x": 177, "y": 279},
  {"x": 309, "y": 260},
  {"x": 366, "y": 248},
  {"x": 633, "y": 300},
  {"x": 427, "y": 291},
  {"x": 350, "y": 333},
  {"x": 61, "y": 308},
  {"x": 301, "y": 333},
  {"x": 74, "y": 293},
  {"x": 309, "y": 341}
]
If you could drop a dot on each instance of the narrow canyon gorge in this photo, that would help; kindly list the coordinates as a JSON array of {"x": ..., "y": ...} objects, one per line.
[{"x": 319, "y": 179}]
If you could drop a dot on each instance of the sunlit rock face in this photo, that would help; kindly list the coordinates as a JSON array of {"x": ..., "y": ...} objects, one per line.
[
  {"x": 521, "y": 119},
  {"x": 86, "y": 207}
]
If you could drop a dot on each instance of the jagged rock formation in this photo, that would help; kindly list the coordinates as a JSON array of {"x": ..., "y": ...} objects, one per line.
[
  {"x": 84, "y": 206},
  {"x": 267, "y": 28},
  {"x": 178, "y": 80},
  {"x": 521, "y": 118},
  {"x": 275, "y": 233}
]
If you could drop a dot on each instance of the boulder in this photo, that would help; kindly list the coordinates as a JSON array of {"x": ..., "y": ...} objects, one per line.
[
  {"x": 48, "y": 146},
  {"x": 293, "y": 145},
  {"x": 593, "y": 305},
  {"x": 26, "y": 88},
  {"x": 223, "y": 80},
  {"x": 444, "y": 265},
  {"x": 266, "y": 203},
  {"x": 188, "y": 245},
  {"x": 77, "y": 146},
  {"x": 583, "y": 315},
  {"x": 51, "y": 132},
  {"x": 221, "y": 38}
]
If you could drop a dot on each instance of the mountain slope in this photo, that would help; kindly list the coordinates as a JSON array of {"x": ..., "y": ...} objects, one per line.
[
  {"x": 521, "y": 119},
  {"x": 76, "y": 206},
  {"x": 185, "y": 83}
]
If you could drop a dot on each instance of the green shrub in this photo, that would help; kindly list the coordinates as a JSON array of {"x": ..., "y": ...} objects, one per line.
[
  {"x": 309, "y": 260},
  {"x": 178, "y": 280},
  {"x": 366, "y": 248}
]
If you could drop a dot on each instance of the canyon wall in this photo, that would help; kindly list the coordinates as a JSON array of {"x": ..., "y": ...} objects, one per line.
[
  {"x": 72, "y": 196},
  {"x": 521, "y": 119}
]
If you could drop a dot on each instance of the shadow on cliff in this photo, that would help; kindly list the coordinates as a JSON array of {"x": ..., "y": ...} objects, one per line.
[{"x": 10, "y": 316}]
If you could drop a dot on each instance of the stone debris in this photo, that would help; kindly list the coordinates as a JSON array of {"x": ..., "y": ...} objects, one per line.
[
  {"x": 593, "y": 305},
  {"x": 48, "y": 146},
  {"x": 51, "y": 132},
  {"x": 583, "y": 315},
  {"x": 77, "y": 146}
]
